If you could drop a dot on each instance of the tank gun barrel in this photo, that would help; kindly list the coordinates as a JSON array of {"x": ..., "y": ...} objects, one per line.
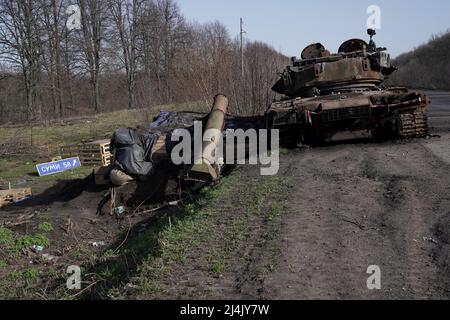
[{"x": 204, "y": 163}]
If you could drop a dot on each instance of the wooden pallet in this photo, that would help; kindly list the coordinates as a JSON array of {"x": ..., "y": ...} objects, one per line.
[
  {"x": 97, "y": 153},
  {"x": 13, "y": 195},
  {"x": 5, "y": 185},
  {"x": 69, "y": 151}
]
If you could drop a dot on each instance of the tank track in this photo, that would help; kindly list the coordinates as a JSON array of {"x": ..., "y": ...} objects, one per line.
[{"x": 413, "y": 124}]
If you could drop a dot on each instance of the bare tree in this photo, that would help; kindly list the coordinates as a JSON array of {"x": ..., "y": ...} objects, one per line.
[
  {"x": 262, "y": 66},
  {"x": 93, "y": 16},
  {"x": 20, "y": 45},
  {"x": 164, "y": 35},
  {"x": 53, "y": 21},
  {"x": 211, "y": 58},
  {"x": 127, "y": 18}
]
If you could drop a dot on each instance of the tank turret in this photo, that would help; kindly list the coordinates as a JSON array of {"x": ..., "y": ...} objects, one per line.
[{"x": 357, "y": 66}]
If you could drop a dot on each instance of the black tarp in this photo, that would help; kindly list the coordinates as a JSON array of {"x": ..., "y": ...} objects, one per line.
[
  {"x": 167, "y": 121},
  {"x": 133, "y": 150}
]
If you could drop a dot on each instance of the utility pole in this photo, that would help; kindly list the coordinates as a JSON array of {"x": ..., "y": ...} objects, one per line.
[{"x": 242, "y": 48}]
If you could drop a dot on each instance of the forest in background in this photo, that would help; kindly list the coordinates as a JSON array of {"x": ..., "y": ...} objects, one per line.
[
  {"x": 426, "y": 67},
  {"x": 123, "y": 54}
]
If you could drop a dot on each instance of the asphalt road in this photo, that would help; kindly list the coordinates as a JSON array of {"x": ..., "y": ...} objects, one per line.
[{"x": 439, "y": 111}]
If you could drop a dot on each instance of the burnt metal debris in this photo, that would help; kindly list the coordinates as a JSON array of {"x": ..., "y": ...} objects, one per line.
[{"x": 334, "y": 97}]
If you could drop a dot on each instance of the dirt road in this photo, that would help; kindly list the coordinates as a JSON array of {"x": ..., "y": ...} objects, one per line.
[{"x": 357, "y": 205}]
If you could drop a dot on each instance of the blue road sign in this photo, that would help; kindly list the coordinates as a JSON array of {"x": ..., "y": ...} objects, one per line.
[{"x": 46, "y": 169}]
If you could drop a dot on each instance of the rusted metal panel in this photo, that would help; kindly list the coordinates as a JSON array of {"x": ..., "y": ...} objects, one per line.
[
  {"x": 343, "y": 71},
  {"x": 344, "y": 101}
]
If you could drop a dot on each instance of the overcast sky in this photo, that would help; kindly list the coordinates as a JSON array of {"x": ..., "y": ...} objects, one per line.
[{"x": 290, "y": 25}]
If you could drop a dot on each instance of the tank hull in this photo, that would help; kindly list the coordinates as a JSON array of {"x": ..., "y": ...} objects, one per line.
[{"x": 392, "y": 113}]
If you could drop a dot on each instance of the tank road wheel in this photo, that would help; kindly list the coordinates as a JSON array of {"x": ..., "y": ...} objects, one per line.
[{"x": 413, "y": 124}]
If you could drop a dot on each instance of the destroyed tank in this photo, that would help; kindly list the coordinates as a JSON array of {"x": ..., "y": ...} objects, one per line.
[{"x": 329, "y": 97}]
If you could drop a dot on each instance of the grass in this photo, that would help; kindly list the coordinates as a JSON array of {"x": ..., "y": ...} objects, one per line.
[
  {"x": 6, "y": 236},
  {"x": 39, "y": 143},
  {"x": 30, "y": 275},
  {"x": 28, "y": 278},
  {"x": 45, "y": 227},
  {"x": 21, "y": 172},
  {"x": 20, "y": 281},
  {"x": 8, "y": 240},
  {"x": 74, "y": 130},
  {"x": 218, "y": 267},
  {"x": 28, "y": 241},
  {"x": 284, "y": 151}
]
